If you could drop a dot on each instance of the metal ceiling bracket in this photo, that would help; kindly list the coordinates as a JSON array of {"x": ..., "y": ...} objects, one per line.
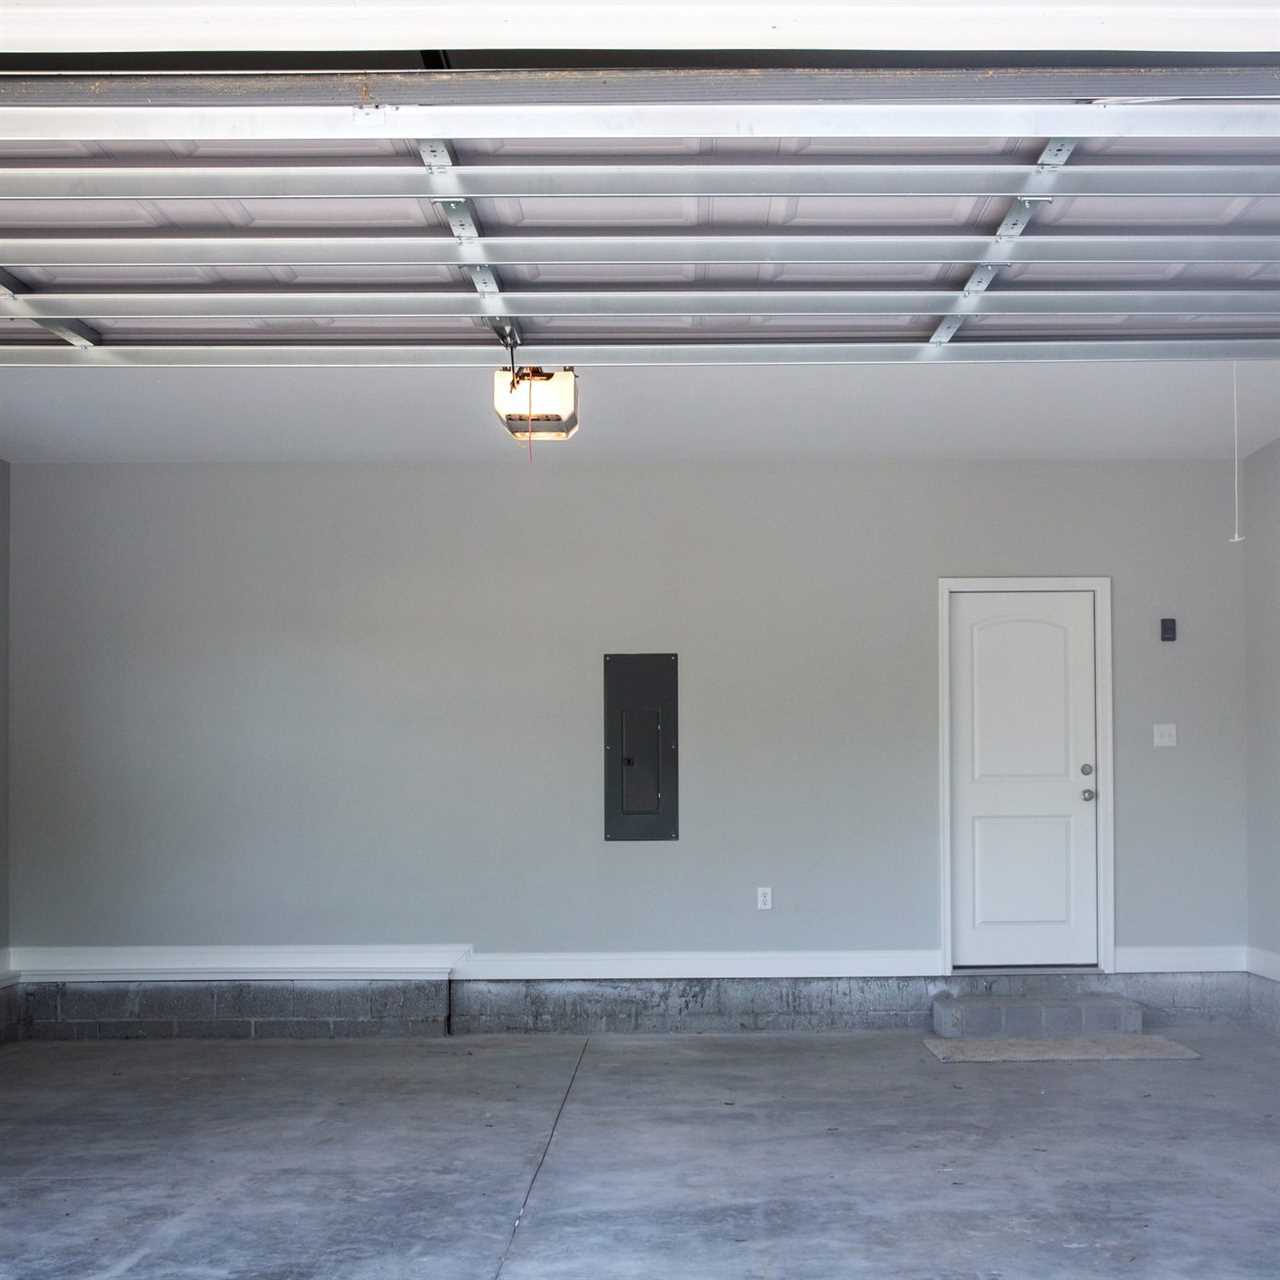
[
  {"x": 13, "y": 298},
  {"x": 435, "y": 154},
  {"x": 438, "y": 158},
  {"x": 1055, "y": 154},
  {"x": 1016, "y": 221}
]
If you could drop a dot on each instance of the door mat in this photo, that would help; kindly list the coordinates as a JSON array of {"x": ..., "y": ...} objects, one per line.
[{"x": 1135, "y": 1048}]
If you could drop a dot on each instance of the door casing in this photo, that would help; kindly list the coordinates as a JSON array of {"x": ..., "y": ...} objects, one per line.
[{"x": 1105, "y": 787}]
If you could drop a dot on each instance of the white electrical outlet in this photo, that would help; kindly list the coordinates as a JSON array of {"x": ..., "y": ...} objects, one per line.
[
  {"x": 764, "y": 899},
  {"x": 1164, "y": 735}
]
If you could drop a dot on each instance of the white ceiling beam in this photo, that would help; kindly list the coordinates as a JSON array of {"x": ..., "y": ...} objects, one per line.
[
  {"x": 94, "y": 26},
  {"x": 343, "y": 249},
  {"x": 270, "y": 181},
  {"x": 604, "y": 120},
  {"x": 253, "y": 304},
  {"x": 443, "y": 355}
]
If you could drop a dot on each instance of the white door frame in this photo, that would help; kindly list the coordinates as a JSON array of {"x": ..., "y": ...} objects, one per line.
[{"x": 1105, "y": 786}]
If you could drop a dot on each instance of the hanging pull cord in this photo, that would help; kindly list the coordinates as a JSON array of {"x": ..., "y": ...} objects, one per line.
[{"x": 1235, "y": 421}]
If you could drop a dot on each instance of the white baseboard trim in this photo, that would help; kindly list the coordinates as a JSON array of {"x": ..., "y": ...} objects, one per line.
[
  {"x": 550, "y": 965},
  {"x": 1266, "y": 964},
  {"x": 176, "y": 964},
  {"x": 1180, "y": 959},
  {"x": 336, "y": 963}
]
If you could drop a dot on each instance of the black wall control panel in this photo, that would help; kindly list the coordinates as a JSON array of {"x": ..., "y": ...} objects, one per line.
[
  {"x": 1168, "y": 628},
  {"x": 641, "y": 791}
]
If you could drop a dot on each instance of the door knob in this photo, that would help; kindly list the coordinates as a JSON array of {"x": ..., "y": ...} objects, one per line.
[{"x": 1086, "y": 794}]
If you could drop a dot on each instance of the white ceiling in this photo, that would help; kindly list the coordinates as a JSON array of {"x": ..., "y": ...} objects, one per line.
[
  {"x": 97, "y": 25},
  {"x": 1170, "y": 410},
  {"x": 523, "y": 216},
  {"x": 1032, "y": 411}
]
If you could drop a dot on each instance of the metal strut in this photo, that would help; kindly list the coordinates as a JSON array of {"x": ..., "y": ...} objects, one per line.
[
  {"x": 1014, "y": 223},
  {"x": 437, "y": 156}
]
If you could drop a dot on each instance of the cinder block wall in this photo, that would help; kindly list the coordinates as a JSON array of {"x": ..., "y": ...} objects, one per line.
[
  {"x": 346, "y": 1010},
  {"x": 233, "y": 1010}
]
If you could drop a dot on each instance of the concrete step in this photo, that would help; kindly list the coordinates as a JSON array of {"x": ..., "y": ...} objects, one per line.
[{"x": 1033, "y": 1017}]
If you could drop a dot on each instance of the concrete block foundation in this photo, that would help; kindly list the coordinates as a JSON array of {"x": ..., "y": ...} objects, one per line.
[
  {"x": 819, "y": 1004},
  {"x": 232, "y": 1010},
  {"x": 10, "y": 1013},
  {"x": 1264, "y": 1003},
  {"x": 1035, "y": 1017},
  {"x": 367, "y": 1009}
]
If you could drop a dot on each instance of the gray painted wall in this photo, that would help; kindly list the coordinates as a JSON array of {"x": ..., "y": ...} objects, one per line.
[
  {"x": 1261, "y": 493},
  {"x": 362, "y": 703},
  {"x": 4, "y": 708}
]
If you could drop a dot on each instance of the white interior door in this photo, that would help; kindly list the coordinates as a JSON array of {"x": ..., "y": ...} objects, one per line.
[{"x": 1024, "y": 828}]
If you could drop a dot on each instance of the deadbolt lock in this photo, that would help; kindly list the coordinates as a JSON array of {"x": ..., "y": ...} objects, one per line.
[{"x": 1086, "y": 769}]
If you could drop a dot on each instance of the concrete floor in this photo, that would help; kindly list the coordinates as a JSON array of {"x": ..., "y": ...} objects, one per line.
[{"x": 734, "y": 1157}]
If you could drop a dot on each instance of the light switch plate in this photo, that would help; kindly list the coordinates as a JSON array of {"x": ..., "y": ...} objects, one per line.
[
  {"x": 1165, "y": 735},
  {"x": 764, "y": 898}
]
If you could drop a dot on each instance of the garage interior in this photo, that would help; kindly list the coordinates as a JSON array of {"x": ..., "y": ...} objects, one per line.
[{"x": 795, "y": 794}]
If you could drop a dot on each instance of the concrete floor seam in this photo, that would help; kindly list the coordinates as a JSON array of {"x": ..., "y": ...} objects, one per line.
[{"x": 528, "y": 1191}]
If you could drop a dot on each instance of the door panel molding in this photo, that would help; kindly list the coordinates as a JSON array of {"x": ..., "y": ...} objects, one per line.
[{"x": 1105, "y": 775}]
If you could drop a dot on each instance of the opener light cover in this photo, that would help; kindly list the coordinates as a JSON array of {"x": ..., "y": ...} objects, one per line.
[{"x": 537, "y": 405}]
